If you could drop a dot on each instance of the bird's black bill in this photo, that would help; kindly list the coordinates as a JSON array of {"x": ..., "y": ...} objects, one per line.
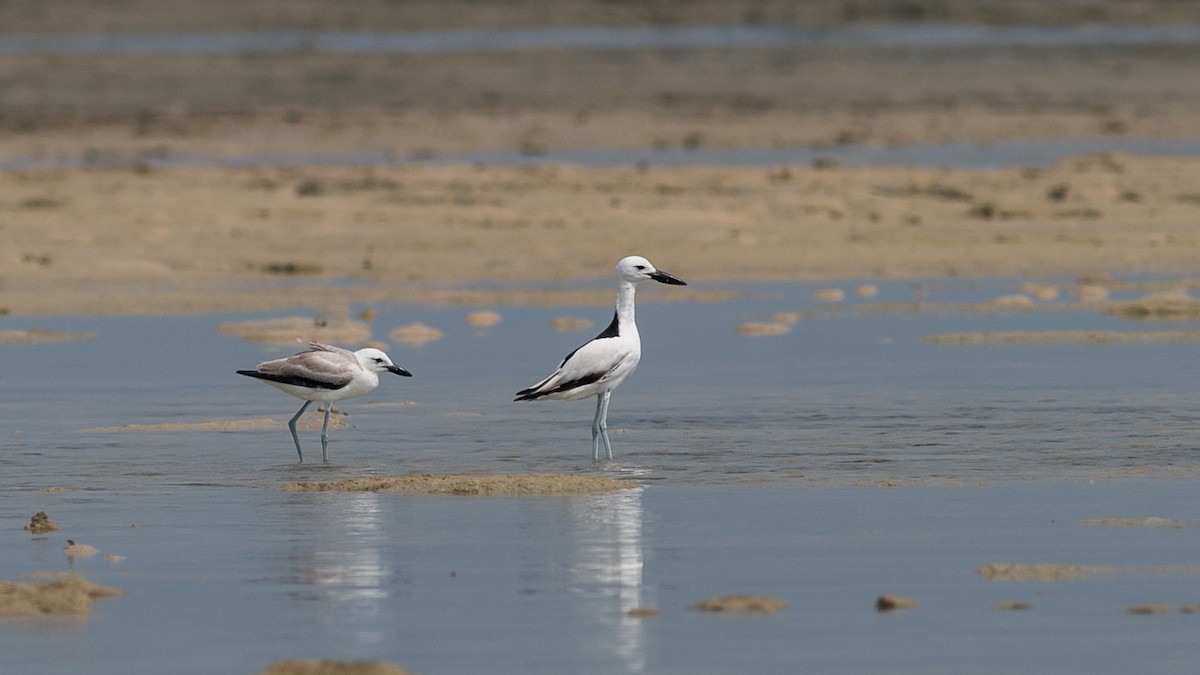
[
  {"x": 662, "y": 277},
  {"x": 399, "y": 371}
]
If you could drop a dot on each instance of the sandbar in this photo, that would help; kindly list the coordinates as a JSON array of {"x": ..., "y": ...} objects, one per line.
[
  {"x": 136, "y": 188},
  {"x": 512, "y": 485}
]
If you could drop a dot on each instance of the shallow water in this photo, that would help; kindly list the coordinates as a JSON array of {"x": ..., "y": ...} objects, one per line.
[
  {"x": 732, "y": 36},
  {"x": 999, "y": 155},
  {"x": 850, "y": 393},
  {"x": 227, "y": 579},
  {"x": 758, "y": 460}
]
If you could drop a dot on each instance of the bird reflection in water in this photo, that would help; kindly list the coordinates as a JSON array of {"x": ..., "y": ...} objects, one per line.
[
  {"x": 607, "y": 561},
  {"x": 352, "y": 573}
]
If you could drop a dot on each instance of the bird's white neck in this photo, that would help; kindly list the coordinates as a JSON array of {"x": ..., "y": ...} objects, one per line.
[{"x": 625, "y": 306}]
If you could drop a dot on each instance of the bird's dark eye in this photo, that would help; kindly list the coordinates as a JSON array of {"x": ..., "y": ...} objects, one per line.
[
  {"x": 641, "y": 267},
  {"x": 378, "y": 360}
]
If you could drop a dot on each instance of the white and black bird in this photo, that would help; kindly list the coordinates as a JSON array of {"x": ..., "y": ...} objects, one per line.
[
  {"x": 325, "y": 374},
  {"x": 602, "y": 364}
]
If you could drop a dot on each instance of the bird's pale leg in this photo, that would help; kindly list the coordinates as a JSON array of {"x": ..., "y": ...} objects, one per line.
[
  {"x": 596, "y": 428},
  {"x": 600, "y": 427},
  {"x": 604, "y": 427},
  {"x": 325, "y": 434},
  {"x": 292, "y": 426}
]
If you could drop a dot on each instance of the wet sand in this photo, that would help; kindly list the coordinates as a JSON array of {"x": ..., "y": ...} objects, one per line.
[
  {"x": 69, "y": 595},
  {"x": 515, "y": 485},
  {"x": 1061, "y": 337},
  {"x": 1072, "y": 572},
  {"x": 329, "y": 667},
  {"x": 741, "y": 604},
  {"x": 40, "y": 335},
  {"x": 211, "y": 239},
  {"x": 40, "y": 523},
  {"x": 136, "y": 238}
]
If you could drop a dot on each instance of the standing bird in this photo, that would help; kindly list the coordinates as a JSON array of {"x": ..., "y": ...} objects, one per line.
[
  {"x": 326, "y": 374},
  {"x": 602, "y": 364}
]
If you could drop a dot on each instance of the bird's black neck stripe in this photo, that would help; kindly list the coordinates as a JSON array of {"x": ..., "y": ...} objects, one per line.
[{"x": 613, "y": 330}]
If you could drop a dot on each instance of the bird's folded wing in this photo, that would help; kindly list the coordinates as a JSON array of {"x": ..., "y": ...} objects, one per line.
[
  {"x": 315, "y": 346},
  {"x": 328, "y": 370},
  {"x": 590, "y": 363}
]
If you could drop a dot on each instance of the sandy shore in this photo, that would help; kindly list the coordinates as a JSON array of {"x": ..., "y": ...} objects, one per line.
[
  {"x": 512, "y": 485},
  {"x": 209, "y": 239},
  {"x": 141, "y": 239}
]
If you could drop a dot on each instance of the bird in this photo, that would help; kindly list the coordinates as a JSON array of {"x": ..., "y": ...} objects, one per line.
[
  {"x": 324, "y": 373},
  {"x": 600, "y": 365}
]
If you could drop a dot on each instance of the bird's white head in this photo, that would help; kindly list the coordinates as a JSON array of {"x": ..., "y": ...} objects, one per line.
[
  {"x": 376, "y": 361},
  {"x": 635, "y": 268}
]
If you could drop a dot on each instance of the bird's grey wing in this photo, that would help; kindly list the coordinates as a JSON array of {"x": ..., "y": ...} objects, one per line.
[
  {"x": 319, "y": 368},
  {"x": 314, "y": 346}
]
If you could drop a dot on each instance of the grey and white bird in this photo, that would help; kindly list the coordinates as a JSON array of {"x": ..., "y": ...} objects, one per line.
[
  {"x": 325, "y": 374},
  {"x": 599, "y": 366}
]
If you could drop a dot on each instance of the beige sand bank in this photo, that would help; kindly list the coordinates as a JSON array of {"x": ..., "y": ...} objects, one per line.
[
  {"x": 68, "y": 595},
  {"x": 208, "y": 239},
  {"x": 1072, "y": 572},
  {"x": 142, "y": 239},
  {"x": 515, "y": 485},
  {"x": 331, "y": 667}
]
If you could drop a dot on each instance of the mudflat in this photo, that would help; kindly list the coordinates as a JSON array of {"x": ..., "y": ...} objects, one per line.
[{"x": 95, "y": 221}]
